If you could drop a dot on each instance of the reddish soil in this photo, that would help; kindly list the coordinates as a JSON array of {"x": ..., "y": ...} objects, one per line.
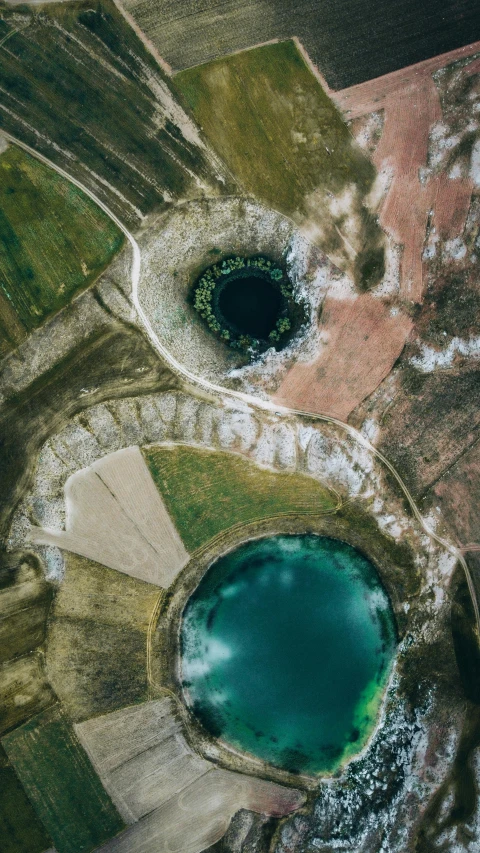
[
  {"x": 364, "y": 340},
  {"x": 411, "y": 104},
  {"x": 451, "y": 202}
]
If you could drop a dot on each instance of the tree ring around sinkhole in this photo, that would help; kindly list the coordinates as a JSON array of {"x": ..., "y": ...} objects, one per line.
[{"x": 248, "y": 303}]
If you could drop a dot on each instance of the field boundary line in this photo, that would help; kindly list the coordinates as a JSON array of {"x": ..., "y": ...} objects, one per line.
[{"x": 249, "y": 399}]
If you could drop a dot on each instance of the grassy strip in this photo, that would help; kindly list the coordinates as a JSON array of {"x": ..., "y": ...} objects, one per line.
[
  {"x": 206, "y": 492},
  {"x": 55, "y": 241},
  {"x": 61, "y": 783},
  {"x": 20, "y": 828},
  {"x": 282, "y": 137}
]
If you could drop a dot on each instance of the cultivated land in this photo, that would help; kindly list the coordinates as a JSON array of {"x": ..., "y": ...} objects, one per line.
[
  {"x": 207, "y": 492},
  {"x": 266, "y": 114},
  {"x": 55, "y": 241},
  {"x": 425, "y": 191},
  {"x": 429, "y": 208},
  {"x": 364, "y": 339},
  {"x": 361, "y": 43},
  {"x": 54, "y": 769},
  {"x": 116, "y": 517},
  {"x": 102, "y": 106},
  {"x": 20, "y": 828},
  {"x": 79, "y": 84},
  {"x": 96, "y": 647}
]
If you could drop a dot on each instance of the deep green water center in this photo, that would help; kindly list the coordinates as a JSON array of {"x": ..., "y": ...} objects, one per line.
[{"x": 287, "y": 645}]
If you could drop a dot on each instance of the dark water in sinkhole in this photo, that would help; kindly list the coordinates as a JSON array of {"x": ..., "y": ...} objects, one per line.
[
  {"x": 287, "y": 644},
  {"x": 251, "y": 304}
]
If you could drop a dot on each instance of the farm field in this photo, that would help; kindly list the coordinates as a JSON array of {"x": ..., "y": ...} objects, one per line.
[
  {"x": 25, "y": 599},
  {"x": 365, "y": 41},
  {"x": 207, "y": 492},
  {"x": 300, "y": 132},
  {"x": 364, "y": 341},
  {"x": 419, "y": 195},
  {"x": 55, "y": 242},
  {"x": 96, "y": 645},
  {"x": 117, "y": 518},
  {"x": 268, "y": 118},
  {"x": 53, "y": 769},
  {"x": 79, "y": 86},
  {"x": 20, "y": 828}
]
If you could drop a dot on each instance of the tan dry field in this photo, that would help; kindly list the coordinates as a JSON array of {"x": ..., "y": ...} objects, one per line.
[
  {"x": 141, "y": 756},
  {"x": 116, "y": 516},
  {"x": 199, "y": 815},
  {"x": 155, "y": 780},
  {"x": 364, "y": 340}
]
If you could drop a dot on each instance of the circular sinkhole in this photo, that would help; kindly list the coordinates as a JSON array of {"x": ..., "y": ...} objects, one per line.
[
  {"x": 250, "y": 303},
  {"x": 286, "y": 649}
]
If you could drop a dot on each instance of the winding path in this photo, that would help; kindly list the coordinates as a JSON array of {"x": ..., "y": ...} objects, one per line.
[{"x": 249, "y": 399}]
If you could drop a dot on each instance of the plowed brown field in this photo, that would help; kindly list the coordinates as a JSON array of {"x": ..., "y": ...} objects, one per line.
[
  {"x": 364, "y": 337},
  {"x": 412, "y": 105},
  {"x": 364, "y": 340}
]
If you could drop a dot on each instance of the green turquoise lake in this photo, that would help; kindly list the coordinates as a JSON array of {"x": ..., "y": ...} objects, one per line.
[{"x": 286, "y": 648}]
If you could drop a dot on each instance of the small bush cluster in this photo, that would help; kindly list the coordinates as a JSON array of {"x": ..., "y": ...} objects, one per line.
[{"x": 204, "y": 303}]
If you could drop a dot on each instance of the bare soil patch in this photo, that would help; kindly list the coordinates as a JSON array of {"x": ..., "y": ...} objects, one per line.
[{"x": 364, "y": 338}]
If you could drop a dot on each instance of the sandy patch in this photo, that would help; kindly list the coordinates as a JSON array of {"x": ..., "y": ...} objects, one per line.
[{"x": 116, "y": 516}]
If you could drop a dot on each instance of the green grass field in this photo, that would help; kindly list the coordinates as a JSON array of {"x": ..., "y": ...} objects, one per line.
[
  {"x": 207, "y": 492},
  {"x": 61, "y": 783},
  {"x": 55, "y": 241},
  {"x": 284, "y": 140}
]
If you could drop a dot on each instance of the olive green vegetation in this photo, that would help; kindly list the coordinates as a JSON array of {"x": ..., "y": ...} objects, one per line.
[
  {"x": 207, "y": 492},
  {"x": 61, "y": 783},
  {"x": 78, "y": 85},
  {"x": 20, "y": 829},
  {"x": 25, "y": 599},
  {"x": 55, "y": 240},
  {"x": 282, "y": 137},
  {"x": 97, "y": 639},
  {"x": 24, "y": 690}
]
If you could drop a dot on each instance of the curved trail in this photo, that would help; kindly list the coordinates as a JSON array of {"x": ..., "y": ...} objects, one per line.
[{"x": 248, "y": 399}]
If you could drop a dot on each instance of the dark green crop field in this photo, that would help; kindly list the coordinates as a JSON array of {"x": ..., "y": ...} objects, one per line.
[
  {"x": 77, "y": 84},
  {"x": 20, "y": 828},
  {"x": 61, "y": 783},
  {"x": 55, "y": 240}
]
